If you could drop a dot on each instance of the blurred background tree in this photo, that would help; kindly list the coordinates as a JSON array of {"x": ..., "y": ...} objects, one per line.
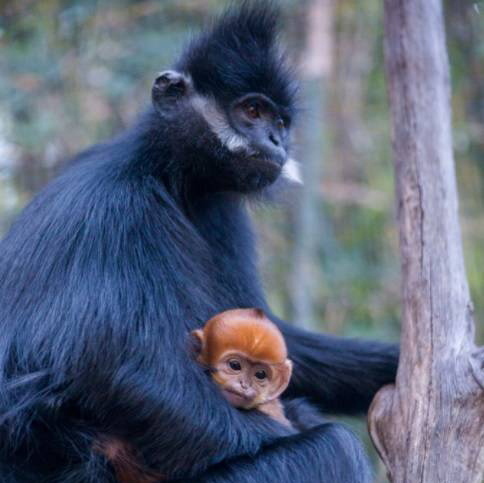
[{"x": 74, "y": 72}]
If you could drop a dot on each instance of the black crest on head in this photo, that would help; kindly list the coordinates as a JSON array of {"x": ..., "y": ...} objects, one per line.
[{"x": 239, "y": 55}]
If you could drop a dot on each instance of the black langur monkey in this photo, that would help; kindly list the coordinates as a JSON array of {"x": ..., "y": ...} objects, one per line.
[{"x": 136, "y": 244}]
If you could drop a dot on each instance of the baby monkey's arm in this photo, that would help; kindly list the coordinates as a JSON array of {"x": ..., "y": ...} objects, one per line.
[{"x": 275, "y": 410}]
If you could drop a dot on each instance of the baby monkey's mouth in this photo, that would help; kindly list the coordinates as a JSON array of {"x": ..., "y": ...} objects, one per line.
[{"x": 237, "y": 398}]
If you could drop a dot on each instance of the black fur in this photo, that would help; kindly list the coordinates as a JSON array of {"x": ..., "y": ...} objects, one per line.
[
  {"x": 103, "y": 275},
  {"x": 240, "y": 55}
]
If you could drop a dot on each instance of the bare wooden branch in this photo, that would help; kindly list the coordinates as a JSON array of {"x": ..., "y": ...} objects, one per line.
[{"x": 429, "y": 427}]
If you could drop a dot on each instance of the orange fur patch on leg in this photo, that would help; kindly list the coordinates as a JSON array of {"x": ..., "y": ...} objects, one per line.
[{"x": 126, "y": 461}]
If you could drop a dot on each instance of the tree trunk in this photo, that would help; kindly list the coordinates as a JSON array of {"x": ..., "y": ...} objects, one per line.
[{"x": 429, "y": 427}]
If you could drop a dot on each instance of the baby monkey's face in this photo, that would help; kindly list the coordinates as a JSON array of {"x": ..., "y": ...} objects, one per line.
[
  {"x": 247, "y": 356},
  {"x": 246, "y": 383}
]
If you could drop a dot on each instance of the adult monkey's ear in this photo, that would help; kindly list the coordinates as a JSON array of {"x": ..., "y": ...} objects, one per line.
[{"x": 168, "y": 87}]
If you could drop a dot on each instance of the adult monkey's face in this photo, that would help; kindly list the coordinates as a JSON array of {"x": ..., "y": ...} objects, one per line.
[
  {"x": 264, "y": 124},
  {"x": 231, "y": 102}
]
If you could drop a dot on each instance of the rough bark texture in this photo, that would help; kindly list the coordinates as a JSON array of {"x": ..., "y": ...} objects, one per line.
[{"x": 429, "y": 427}]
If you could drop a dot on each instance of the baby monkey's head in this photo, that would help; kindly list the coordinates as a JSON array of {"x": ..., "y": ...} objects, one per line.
[{"x": 247, "y": 355}]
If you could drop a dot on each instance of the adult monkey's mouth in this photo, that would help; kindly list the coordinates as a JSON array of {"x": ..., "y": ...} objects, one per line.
[
  {"x": 268, "y": 159},
  {"x": 265, "y": 165},
  {"x": 276, "y": 164}
]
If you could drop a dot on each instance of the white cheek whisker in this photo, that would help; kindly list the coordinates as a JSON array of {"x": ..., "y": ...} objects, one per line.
[
  {"x": 233, "y": 142},
  {"x": 292, "y": 171},
  {"x": 218, "y": 123}
]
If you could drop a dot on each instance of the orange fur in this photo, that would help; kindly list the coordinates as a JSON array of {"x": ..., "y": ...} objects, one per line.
[
  {"x": 126, "y": 461},
  {"x": 247, "y": 331}
]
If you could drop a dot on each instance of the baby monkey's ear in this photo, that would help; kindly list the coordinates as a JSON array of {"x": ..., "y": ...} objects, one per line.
[
  {"x": 198, "y": 339},
  {"x": 281, "y": 381}
]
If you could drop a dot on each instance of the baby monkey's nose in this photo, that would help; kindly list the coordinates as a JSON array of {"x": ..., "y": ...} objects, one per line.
[{"x": 244, "y": 384}]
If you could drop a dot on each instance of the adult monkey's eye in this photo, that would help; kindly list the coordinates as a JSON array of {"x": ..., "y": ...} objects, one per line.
[
  {"x": 235, "y": 365},
  {"x": 261, "y": 374},
  {"x": 253, "y": 110}
]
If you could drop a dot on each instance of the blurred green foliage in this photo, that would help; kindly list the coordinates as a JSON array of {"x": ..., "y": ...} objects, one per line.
[{"x": 75, "y": 72}]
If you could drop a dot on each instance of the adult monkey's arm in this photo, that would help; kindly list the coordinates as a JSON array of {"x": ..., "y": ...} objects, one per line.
[{"x": 339, "y": 375}]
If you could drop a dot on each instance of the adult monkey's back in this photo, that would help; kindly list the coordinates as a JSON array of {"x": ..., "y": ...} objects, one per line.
[{"x": 140, "y": 241}]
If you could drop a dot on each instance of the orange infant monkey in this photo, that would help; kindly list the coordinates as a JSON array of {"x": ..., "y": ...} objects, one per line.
[{"x": 247, "y": 356}]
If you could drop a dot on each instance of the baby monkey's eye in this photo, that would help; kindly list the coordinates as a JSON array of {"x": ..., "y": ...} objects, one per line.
[
  {"x": 235, "y": 365},
  {"x": 261, "y": 374}
]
